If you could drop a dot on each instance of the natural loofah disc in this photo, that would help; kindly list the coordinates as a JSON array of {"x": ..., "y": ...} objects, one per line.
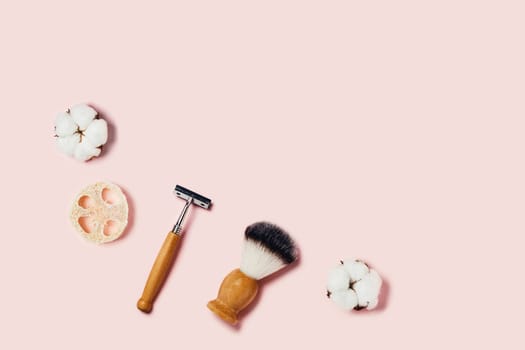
[{"x": 100, "y": 212}]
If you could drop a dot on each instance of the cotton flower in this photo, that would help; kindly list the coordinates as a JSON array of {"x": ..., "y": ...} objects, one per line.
[
  {"x": 353, "y": 285},
  {"x": 80, "y": 133}
]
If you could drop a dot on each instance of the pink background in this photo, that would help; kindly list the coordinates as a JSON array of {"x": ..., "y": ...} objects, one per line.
[{"x": 392, "y": 131}]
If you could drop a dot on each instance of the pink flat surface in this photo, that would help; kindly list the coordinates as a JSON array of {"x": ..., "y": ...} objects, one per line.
[{"x": 392, "y": 131}]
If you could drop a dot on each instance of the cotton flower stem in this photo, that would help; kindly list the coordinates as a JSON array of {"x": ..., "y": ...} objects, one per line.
[{"x": 81, "y": 133}]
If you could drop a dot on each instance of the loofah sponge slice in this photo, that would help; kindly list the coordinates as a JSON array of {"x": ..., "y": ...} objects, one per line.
[{"x": 100, "y": 212}]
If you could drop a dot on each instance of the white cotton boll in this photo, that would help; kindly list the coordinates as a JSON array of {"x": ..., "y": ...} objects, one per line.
[
  {"x": 364, "y": 292},
  {"x": 97, "y": 132},
  {"x": 68, "y": 144},
  {"x": 79, "y": 133},
  {"x": 367, "y": 289},
  {"x": 85, "y": 151},
  {"x": 345, "y": 299},
  {"x": 372, "y": 304},
  {"x": 374, "y": 279},
  {"x": 368, "y": 286},
  {"x": 83, "y": 115},
  {"x": 355, "y": 268},
  {"x": 65, "y": 125},
  {"x": 338, "y": 279},
  {"x": 354, "y": 284}
]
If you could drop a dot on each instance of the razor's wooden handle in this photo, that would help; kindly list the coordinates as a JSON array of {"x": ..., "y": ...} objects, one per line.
[{"x": 159, "y": 272}]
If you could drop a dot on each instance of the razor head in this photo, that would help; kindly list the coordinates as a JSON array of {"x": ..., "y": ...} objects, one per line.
[{"x": 186, "y": 194}]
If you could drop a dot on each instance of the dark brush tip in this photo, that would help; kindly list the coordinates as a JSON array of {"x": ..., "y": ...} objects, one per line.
[{"x": 274, "y": 238}]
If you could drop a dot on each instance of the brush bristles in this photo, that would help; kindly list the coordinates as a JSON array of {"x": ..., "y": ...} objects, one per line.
[{"x": 267, "y": 249}]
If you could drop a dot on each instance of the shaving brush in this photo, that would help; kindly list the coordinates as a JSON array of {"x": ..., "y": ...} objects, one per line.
[{"x": 267, "y": 249}]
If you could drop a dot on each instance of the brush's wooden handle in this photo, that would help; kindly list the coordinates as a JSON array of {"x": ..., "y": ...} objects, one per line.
[
  {"x": 237, "y": 291},
  {"x": 159, "y": 272}
]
